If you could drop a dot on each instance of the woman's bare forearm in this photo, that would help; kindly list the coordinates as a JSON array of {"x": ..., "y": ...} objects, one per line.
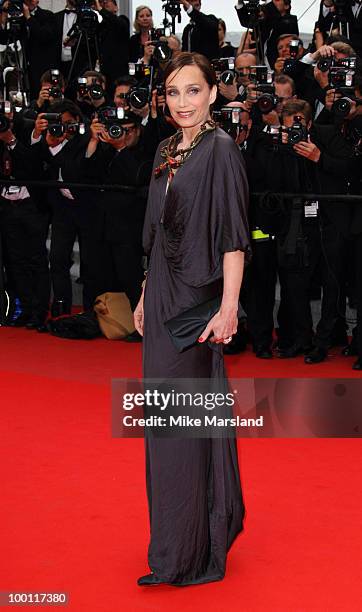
[{"x": 233, "y": 268}]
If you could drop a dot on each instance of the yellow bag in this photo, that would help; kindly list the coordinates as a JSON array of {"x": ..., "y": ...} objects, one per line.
[{"x": 114, "y": 315}]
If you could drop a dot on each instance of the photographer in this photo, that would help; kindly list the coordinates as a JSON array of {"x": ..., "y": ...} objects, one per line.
[
  {"x": 59, "y": 142},
  {"x": 91, "y": 93},
  {"x": 273, "y": 18},
  {"x": 334, "y": 14},
  {"x": 113, "y": 40},
  {"x": 201, "y": 34},
  {"x": 237, "y": 91},
  {"x": 142, "y": 25},
  {"x": 79, "y": 21},
  {"x": 33, "y": 27},
  {"x": 23, "y": 227},
  {"x": 118, "y": 154},
  {"x": 319, "y": 162}
]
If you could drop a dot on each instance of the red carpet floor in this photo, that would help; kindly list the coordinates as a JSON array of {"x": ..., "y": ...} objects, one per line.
[{"x": 73, "y": 504}]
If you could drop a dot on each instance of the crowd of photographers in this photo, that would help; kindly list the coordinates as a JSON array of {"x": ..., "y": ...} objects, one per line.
[{"x": 95, "y": 113}]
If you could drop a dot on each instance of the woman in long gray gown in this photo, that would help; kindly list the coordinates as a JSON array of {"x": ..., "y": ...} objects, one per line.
[{"x": 196, "y": 237}]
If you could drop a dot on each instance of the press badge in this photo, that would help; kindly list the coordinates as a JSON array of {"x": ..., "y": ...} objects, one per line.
[
  {"x": 257, "y": 234},
  {"x": 311, "y": 209}
]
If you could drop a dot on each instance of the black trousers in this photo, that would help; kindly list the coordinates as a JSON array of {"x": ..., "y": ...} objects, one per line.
[
  {"x": 358, "y": 264},
  {"x": 24, "y": 232},
  {"x": 326, "y": 247},
  {"x": 72, "y": 219}
]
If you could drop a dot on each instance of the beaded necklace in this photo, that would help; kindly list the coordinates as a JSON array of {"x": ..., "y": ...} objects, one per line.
[{"x": 169, "y": 152}]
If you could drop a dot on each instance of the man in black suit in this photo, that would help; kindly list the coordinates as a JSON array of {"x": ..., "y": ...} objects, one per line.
[
  {"x": 274, "y": 20},
  {"x": 23, "y": 229},
  {"x": 201, "y": 34},
  {"x": 67, "y": 21},
  {"x": 113, "y": 42},
  {"x": 350, "y": 13},
  {"x": 36, "y": 35},
  {"x": 74, "y": 212}
]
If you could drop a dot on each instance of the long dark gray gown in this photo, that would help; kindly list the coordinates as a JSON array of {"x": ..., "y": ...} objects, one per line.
[{"x": 195, "y": 500}]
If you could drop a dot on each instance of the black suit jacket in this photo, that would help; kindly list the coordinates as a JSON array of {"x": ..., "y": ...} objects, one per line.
[
  {"x": 81, "y": 62},
  {"x": 114, "y": 45},
  {"x": 204, "y": 35},
  {"x": 38, "y": 43},
  {"x": 285, "y": 171},
  {"x": 272, "y": 26}
]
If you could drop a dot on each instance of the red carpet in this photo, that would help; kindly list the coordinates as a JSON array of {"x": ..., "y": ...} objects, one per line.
[{"x": 73, "y": 504}]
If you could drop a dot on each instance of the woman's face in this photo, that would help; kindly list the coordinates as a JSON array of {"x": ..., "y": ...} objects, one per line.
[
  {"x": 189, "y": 96},
  {"x": 221, "y": 34},
  {"x": 145, "y": 19}
]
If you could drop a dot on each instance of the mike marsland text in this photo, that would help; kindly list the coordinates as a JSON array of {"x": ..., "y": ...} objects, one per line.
[{"x": 186, "y": 421}]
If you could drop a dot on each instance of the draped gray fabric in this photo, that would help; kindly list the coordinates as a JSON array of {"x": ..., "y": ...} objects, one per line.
[{"x": 193, "y": 486}]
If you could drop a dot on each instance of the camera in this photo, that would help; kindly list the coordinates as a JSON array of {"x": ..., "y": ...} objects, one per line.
[
  {"x": 162, "y": 52},
  {"x": 252, "y": 6},
  {"x": 326, "y": 63},
  {"x": 263, "y": 79},
  {"x": 341, "y": 79},
  {"x": 55, "y": 90},
  {"x": 57, "y": 128},
  {"x": 224, "y": 69},
  {"x": 5, "y": 109},
  {"x": 291, "y": 63},
  {"x": 342, "y": 107},
  {"x": 112, "y": 119},
  {"x": 140, "y": 95},
  {"x": 95, "y": 90},
  {"x": 15, "y": 15},
  {"x": 228, "y": 119},
  {"x": 297, "y": 133}
]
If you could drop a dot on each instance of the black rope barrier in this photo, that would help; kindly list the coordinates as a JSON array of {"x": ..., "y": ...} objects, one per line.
[{"x": 331, "y": 197}]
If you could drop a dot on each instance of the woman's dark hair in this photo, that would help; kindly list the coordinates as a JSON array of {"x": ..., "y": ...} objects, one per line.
[
  {"x": 223, "y": 25},
  {"x": 191, "y": 59}
]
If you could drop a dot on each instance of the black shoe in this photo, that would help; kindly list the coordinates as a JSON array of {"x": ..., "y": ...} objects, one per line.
[
  {"x": 263, "y": 352},
  {"x": 317, "y": 355},
  {"x": 60, "y": 308},
  {"x": 35, "y": 322},
  {"x": 357, "y": 364},
  {"x": 134, "y": 337},
  {"x": 149, "y": 580},
  {"x": 293, "y": 351},
  {"x": 21, "y": 321},
  {"x": 350, "y": 350}
]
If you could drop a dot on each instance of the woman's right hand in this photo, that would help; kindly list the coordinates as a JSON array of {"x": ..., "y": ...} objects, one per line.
[{"x": 138, "y": 316}]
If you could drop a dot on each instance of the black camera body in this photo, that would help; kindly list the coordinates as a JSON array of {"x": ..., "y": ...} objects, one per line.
[
  {"x": 95, "y": 90},
  {"x": 57, "y": 128},
  {"x": 326, "y": 63},
  {"x": 140, "y": 95},
  {"x": 55, "y": 90},
  {"x": 228, "y": 118},
  {"x": 112, "y": 119},
  {"x": 162, "y": 52},
  {"x": 224, "y": 69},
  {"x": 291, "y": 63},
  {"x": 262, "y": 77},
  {"x": 297, "y": 133}
]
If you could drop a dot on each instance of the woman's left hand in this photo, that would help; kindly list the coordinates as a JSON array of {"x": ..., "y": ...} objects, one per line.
[{"x": 221, "y": 327}]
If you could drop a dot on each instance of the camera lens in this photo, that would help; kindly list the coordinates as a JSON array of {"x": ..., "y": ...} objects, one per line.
[
  {"x": 324, "y": 64},
  {"x": 115, "y": 131},
  {"x": 162, "y": 52},
  {"x": 56, "y": 129},
  {"x": 139, "y": 98},
  {"x": 342, "y": 107},
  {"x": 266, "y": 103},
  {"x": 227, "y": 77},
  {"x": 96, "y": 92}
]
